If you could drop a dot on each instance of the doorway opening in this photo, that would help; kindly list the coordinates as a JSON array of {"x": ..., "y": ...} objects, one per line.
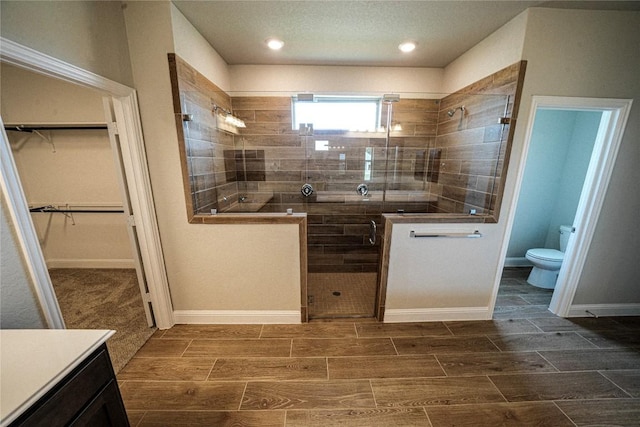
[
  {"x": 70, "y": 170},
  {"x": 569, "y": 151}
]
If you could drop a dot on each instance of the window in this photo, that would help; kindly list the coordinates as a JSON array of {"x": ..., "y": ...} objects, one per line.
[{"x": 338, "y": 113}]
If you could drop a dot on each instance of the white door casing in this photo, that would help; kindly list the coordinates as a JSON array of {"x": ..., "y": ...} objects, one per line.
[{"x": 615, "y": 113}]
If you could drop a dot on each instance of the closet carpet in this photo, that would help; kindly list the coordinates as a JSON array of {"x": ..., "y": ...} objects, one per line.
[{"x": 104, "y": 299}]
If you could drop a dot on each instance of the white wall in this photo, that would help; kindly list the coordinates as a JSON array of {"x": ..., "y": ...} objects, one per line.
[
  {"x": 499, "y": 50},
  {"x": 594, "y": 54},
  {"x": 89, "y": 34},
  {"x": 19, "y": 307},
  {"x": 210, "y": 267},
  {"x": 275, "y": 79},
  {"x": 76, "y": 168},
  {"x": 191, "y": 46}
]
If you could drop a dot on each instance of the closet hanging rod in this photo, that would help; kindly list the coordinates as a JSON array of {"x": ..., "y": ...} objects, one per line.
[
  {"x": 31, "y": 128},
  {"x": 52, "y": 209}
]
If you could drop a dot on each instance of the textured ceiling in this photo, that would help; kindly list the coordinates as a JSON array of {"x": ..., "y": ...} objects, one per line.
[{"x": 363, "y": 33}]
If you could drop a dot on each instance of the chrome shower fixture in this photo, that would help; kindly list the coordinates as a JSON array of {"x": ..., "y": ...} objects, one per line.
[
  {"x": 390, "y": 97},
  {"x": 451, "y": 113}
]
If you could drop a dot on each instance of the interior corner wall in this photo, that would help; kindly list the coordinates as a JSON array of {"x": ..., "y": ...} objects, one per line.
[
  {"x": 197, "y": 52},
  {"x": 210, "y": 267},
  {"x": 497, "y": 51},
  {"x": 19, "y": 307},
  {"x": 88, "y": 34},
  {"x": 585, "y": 53}
]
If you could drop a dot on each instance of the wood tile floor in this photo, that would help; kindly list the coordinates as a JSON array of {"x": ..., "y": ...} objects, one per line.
[{"x": 517, "y": 370}]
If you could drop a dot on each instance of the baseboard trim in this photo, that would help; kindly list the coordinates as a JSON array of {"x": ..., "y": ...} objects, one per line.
[
  {"x": 584, "y": 310},
  {"x": 517, "y": 262},
  {"x": 239, "y": 317},
  {"x": 436, "y": 314},
  {"x": 90, "y": 263}
]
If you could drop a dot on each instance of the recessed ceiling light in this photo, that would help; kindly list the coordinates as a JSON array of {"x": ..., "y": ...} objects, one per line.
[
  {"x": 275, "y": 44},
  {"x": 407, "y": 46}
]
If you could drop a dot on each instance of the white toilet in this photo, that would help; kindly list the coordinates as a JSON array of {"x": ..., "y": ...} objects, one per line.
[{"x": 547, "y": 262}]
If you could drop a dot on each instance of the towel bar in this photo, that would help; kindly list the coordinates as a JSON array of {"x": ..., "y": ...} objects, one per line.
[{"x": 475, "y": 234}]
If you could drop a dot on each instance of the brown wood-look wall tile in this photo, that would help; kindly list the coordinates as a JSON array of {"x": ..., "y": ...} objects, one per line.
[
  {"x": 558, "y": 386},
  {"x": 435, "y": 391},
  {"x": 307, "y": 395},
  {"x": 537, "y": 414}
]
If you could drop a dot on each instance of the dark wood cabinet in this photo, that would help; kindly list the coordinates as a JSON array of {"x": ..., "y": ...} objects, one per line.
[{"x": 88, "y": 396}]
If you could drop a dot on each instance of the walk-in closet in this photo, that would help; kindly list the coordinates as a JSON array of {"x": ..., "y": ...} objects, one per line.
[{"x": 73, "y": 182}]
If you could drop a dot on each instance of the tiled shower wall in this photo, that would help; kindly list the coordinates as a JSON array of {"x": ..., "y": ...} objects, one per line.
[{"x": 434, "y": 163}]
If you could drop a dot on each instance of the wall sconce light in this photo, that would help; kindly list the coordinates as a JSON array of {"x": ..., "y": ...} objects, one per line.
[{"x": 227, "y": 118}]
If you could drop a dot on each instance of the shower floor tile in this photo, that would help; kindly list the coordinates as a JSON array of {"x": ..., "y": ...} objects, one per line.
[{"x": 333, "y": 295}]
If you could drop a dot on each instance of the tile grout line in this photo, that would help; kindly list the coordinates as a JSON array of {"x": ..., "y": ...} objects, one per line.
[
  {"x": 394, "y": 346},
  {"x": 440, "y": 364},
  {"x": 499, "y": 391},
  {"x": 494, "y": 344},
  {"x": 424, "y": 409},
  {"x": 373, "y": 394},
  {"x": 555, "y": 402},
  {"x": 548, "y": 361},
  {"x": 211, "y": 369},
  {"x": 614, "y": 383},
  {"x": 244, "y": 391}
]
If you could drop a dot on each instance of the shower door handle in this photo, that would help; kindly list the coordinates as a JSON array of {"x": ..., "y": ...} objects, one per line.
[{"x": 373, "y": 228}]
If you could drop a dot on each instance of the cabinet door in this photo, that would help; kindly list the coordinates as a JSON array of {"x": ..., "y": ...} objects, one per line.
[{"x": 106, "y": 409}]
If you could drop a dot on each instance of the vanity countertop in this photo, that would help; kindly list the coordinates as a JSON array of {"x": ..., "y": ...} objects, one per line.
[{"x": 33, "y": 361}]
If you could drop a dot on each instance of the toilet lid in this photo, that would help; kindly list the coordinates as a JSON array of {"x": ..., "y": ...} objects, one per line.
[{"x": 546, "y": 254}]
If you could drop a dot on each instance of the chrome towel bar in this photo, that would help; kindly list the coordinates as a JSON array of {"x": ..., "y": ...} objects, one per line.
[{"x": 473, "y": 235}]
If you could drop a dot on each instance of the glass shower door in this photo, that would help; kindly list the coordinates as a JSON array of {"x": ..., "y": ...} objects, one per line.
[{"x": 346, "y": 172}]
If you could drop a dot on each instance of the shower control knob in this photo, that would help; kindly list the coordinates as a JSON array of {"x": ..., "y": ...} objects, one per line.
[
  {"x": 362, "y": 189},
  {"x": 306, "y": 190}
]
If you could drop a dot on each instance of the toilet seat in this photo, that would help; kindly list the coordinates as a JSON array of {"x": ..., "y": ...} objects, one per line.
[{"x": 546, "y": 254}]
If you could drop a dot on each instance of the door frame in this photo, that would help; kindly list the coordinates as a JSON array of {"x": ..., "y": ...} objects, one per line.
[
  {"x": 125, "y": 105},
  {"x": 605, "y": 150}
]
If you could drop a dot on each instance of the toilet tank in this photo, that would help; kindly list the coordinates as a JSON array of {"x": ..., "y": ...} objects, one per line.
[{"x": 565, "y": 233}]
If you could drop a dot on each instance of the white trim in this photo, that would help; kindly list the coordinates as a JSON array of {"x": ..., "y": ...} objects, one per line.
[
  {"x": 400, "y": 315},
  {"x": 134, "y": 160},
  {"x": 126, "y": 105},
  {"x": 24, "y": 57},
  {"x": 236, "y": 317},
  {"x": 18, "y": 209},
  {"x": 517, "y": 262},
  {"x": 90, "y": 263},
  {"x": 584, "y": 310}
]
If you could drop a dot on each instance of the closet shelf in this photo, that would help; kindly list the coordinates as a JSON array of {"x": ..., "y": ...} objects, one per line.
[
  {"x": 54, "y": 126},
  {"x": 53, "y": 209}
]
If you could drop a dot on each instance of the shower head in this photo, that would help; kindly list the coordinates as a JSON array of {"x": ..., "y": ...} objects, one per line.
[{"x": 452, "y": 112}]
